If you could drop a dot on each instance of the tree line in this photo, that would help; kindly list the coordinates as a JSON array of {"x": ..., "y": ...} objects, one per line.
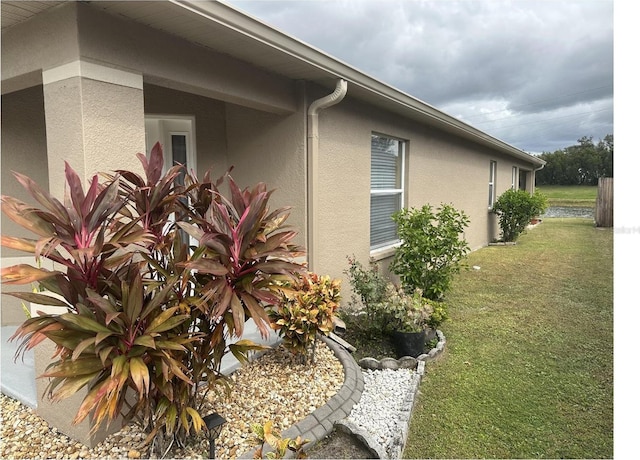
[{"x": 580, "y": 164}]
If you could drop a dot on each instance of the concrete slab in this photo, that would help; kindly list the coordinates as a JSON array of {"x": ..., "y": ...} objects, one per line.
[{"x": 17, "y": 378}]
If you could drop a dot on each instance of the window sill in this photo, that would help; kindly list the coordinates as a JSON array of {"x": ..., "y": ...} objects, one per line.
[{"x": 383, "y": 253}]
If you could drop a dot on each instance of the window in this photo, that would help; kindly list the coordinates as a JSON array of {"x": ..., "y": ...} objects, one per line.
[
  {"x": 492, "y": 183},
  {"x": 514, "y": 177},
  {"x": 387, "y": 189}
]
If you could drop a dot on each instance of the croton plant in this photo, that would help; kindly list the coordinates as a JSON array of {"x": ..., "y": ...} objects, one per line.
[
  {"x": 156, "y": 273},
  {"x": 307, "y": 308}
]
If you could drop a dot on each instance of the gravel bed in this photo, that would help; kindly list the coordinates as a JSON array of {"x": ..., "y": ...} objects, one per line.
[
  {"x": 273, "y": 387},
  {"x": 380, "y": 411}
]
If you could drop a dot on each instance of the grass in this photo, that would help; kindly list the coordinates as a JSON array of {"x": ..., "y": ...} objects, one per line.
[
  {"x": 570, "y": 195},
  {"x": 528, "y": 367}
]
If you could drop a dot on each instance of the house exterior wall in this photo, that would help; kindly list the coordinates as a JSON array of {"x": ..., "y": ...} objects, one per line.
[
  {"x": 439, "y": 168},
  {"x": 245, "y": 117},
  {"x": 31, "y": 47},
  {"x": 210, "y": 123},
  {"x": 169, "y": 61},
  {"x": 270, "y": 148},
  {"x": 24, "y": 150}
]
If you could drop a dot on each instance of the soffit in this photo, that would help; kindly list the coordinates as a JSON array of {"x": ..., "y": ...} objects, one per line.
[{"x": 16, "y": 12}]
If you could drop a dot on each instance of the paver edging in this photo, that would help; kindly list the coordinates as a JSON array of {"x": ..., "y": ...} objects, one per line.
[{"x": 319, "y": 424}]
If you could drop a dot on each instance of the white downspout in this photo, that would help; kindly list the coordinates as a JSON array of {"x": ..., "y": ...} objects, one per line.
[
  {"x": 533, "y": 178},
  {"x": 312, "y": 165}
]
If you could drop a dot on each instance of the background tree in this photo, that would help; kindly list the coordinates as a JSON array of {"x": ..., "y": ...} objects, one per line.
[{"x": 580, "y": 164}]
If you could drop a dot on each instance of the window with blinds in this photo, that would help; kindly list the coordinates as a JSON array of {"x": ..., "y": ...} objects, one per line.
[{"x": 387, "y": 188}]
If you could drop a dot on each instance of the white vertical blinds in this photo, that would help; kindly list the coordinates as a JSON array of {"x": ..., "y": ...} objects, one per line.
[{"x": 387, "y": 189}]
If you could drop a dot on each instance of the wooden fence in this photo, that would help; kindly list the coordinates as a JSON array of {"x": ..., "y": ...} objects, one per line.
[{"x": 604, "y": 202}]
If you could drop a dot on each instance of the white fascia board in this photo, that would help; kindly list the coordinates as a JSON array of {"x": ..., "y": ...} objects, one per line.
[{"x": 255, "y": 29}]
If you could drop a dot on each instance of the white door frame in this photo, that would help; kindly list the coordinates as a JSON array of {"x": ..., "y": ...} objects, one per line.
[{"x": 162, "y": 127}]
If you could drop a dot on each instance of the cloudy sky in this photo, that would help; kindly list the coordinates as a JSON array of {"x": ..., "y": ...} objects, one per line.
[{"x": 536, "y": 74}]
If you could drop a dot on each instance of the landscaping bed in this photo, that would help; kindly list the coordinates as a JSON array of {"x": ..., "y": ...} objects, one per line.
[{"x": 272, "y": 387}]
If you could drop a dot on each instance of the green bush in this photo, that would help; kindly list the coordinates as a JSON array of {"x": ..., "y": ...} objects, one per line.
[
  {"x": 439, "y": 315},
  {"x": 515, "y": 209},
  {"x": 406, "y": 312},
  {"x": 431, "y": 250},
  {"x": 369, "y": 287}
]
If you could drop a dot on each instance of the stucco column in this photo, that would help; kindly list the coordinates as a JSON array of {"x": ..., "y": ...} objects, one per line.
[{"x": 94, "y": 120}]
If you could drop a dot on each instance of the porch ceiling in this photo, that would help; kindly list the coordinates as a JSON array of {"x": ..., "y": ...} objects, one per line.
[{"x": 224, "y": 29}]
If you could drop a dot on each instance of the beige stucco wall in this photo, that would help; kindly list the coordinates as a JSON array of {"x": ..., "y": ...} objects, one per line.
[
  {"x": 45, "y": 41},
  {"x": 166, "y": 60},
  {"x": 24, "y": 150},
  {"x": 439, "y": 169},
  {"x": 270, "y": 148},
  {"x": 93, "y": 125},
  {"x": 210, "y": 129}
]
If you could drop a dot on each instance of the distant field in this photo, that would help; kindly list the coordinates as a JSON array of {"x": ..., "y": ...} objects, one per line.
[{"x": 570, "y": 195}]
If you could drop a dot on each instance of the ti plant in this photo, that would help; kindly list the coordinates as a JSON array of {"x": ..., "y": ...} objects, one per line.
[
  {"x": 148, "y": 317},
  {"x": 308, "y": 308},
  {"x": 265, "y": 434}
]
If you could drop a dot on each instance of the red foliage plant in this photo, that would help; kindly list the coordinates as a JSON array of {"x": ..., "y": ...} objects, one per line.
[{"x": 156, "y": 274}]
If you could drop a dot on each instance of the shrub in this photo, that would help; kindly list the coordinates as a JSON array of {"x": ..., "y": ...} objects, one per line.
[
  {"x": 307, "y": 308},
  {"x": 439, "y": 315},
  {"x": 369, "y": 288},
  {"x": 515, "y": 209},
  {"x": 146, "y": 312},
  {"x": 406, "y": 312},
  {"x": 265, "y": 434},
  {"x": 431, "y": 250}
]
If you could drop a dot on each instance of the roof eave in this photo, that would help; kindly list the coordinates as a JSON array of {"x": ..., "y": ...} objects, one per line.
[{"x": 255, "y": 29}]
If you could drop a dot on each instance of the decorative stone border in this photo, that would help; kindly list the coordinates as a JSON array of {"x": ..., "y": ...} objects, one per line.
[
  {"x": 406, "y": 362},
  {"x": 319, "y": 424},
  {"x": 406, "y": 406}
]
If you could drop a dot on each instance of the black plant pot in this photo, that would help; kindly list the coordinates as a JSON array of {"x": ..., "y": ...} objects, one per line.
[{"x": 409, "y": 343}]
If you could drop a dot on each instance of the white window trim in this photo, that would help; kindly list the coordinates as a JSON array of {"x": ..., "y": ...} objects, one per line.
[
  {"x": 514, "y": 178},
  {"x": 493, "y": 172},
  {"x": 387, "y": 250}
]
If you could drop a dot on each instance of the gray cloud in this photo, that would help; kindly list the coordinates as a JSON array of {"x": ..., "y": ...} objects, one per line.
[{"x": 537, "y": 74}]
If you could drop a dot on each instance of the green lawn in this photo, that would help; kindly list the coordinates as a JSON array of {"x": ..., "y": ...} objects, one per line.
[
  {"x": 528, "y": 366},
  {"x": 570, "y": 195}
]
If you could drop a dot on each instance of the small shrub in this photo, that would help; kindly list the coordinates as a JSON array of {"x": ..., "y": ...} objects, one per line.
[
  {"x": 439, "y": 314},
  {"x": 515, "y": 209},
  {"x": 307, "y": 309},
  {"x": 369, "y": 287},
  {"x": 431, "y": 250},
  {"x": 265, "y": 434},
  {"x": 406, "y": 312}
]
